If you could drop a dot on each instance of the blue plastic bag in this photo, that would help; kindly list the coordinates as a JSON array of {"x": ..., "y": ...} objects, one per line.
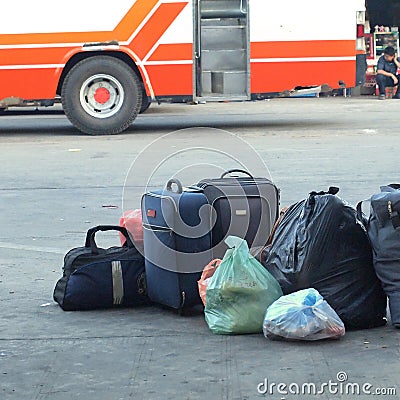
[{"x": 303, "y": 315}]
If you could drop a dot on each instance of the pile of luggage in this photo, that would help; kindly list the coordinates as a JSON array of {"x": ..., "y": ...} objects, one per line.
[{"x": 317, "y": 269}]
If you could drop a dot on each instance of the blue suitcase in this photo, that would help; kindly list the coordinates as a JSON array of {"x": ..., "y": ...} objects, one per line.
[{"x": 177, "y": 243}]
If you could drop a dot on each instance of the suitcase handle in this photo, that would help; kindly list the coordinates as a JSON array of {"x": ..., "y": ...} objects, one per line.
[
  {"x": 177, "y": 183},
  {"x": 231, "y": 171},
  {"x": 90, "y": 236}
]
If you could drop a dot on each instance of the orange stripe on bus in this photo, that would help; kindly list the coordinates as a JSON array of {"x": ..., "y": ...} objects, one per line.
[
  {"x": 297, "y": 49},
  {"x": 49, "y": 38},
  {"x": 276, "y": 77},
  {"x": 129, "y": 23},
  {"x": 170, "y": 52},
  {"x": 155, "y": 27},
  {"x": 28, "y": 84},
  {"x": 18, "y": 56},
  {"x": 134, "y": 17}
]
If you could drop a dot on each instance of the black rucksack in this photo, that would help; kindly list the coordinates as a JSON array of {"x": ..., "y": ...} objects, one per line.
[{"x": 383, "y": 229}]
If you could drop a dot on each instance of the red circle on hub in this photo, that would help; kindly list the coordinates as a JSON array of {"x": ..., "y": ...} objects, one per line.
[{"x": 101, "y": 95}]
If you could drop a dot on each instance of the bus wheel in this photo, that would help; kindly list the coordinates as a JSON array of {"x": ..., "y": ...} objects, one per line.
[{"x": 101, "y": 95}]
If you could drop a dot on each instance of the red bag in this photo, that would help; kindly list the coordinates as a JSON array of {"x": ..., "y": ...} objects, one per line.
[
  {"x": 132, "y": 221},
  {"x": 207, "y": 274}
]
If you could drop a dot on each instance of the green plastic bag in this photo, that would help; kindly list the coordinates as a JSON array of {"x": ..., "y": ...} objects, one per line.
[{"x": 239, "y": 292}]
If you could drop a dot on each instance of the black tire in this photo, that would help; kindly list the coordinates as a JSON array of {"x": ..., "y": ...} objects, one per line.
[
  {"x": 146, "y": 102},
  {"x": 120, "y": 106}
]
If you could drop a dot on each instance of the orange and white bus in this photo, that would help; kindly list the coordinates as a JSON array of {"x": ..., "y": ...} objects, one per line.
[{"x": 107, "y": 61}]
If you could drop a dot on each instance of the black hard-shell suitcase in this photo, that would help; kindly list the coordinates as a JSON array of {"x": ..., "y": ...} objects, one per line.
[
  {"x": 245, "y": 207},
  {"x": 101, "y": 278},
  {"x": 177, "y": 244}
]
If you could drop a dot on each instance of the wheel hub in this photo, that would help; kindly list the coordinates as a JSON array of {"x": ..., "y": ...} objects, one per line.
[{"x": 102, "y": 95}]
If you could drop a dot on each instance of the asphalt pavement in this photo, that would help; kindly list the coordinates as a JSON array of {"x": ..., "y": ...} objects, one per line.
[{"x": 56, "y": 183}]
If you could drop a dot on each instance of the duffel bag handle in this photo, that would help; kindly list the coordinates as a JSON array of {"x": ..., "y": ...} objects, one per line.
[
  {"x": 177, "y": 182},
  {"x": 240, "y": 171},
  {"x": 90, "y": 236}
]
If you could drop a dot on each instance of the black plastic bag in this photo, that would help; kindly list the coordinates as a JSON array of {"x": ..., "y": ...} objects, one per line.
[{"x": 321, "y": 244}]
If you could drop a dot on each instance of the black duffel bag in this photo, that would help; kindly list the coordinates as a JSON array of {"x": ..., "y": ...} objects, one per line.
[
  {"x": 321, "y": 244},
  {"x": 94, "y": 277}
]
